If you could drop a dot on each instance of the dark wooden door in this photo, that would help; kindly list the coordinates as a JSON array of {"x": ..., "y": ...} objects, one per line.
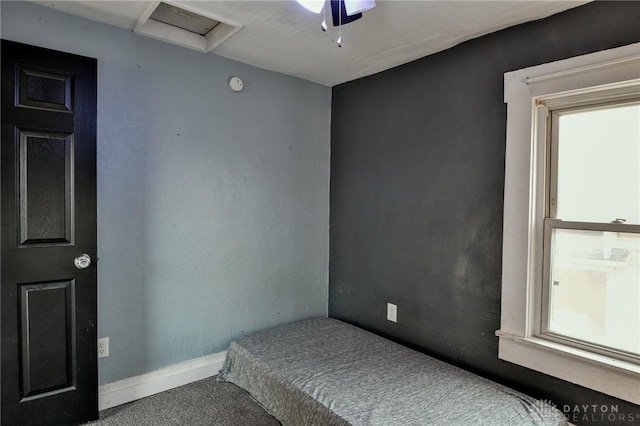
[{"x": 48, "y": 171}]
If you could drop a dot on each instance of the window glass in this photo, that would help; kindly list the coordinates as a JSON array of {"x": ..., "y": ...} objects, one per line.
[
  {"x": 595, "y": 287},
  {"x": 598, "y": 171}
]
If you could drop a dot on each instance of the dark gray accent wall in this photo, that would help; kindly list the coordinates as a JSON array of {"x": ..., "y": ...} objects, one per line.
[{"x": 417, "y": 179}]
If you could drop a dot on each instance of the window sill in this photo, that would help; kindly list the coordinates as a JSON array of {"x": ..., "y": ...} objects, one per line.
[{"x": 611, "y": 376}]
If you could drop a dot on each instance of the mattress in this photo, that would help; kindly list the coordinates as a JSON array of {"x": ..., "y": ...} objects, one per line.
[{"x": 326, "y": 372}]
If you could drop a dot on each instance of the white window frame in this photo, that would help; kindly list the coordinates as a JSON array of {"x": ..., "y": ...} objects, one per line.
[{"x": 527, "y": 94}]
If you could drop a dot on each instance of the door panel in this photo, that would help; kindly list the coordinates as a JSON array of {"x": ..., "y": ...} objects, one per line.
[
  {"x": 48, "y": 171},
  {"x": 46, "y": 179},
  {"x": 47, "y": 89},
  {"x": 47, "y": 338}
]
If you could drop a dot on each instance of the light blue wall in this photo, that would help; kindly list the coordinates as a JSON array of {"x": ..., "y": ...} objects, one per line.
[{"x": 213, "y": 206}]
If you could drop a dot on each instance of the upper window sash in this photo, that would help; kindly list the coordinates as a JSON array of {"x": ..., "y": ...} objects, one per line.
[{"x": 595, "y": 137}]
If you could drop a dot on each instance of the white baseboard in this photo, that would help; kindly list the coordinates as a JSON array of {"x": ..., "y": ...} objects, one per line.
[{"x": 132, "y": 388}]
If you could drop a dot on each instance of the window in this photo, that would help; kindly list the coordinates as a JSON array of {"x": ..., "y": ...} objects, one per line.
[
  {"x": 571, "y": 255},
  {"x": 591, "y": 249}
]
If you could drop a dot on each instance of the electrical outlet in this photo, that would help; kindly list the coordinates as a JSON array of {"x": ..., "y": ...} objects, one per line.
[
  {"x": 392, "y": 312},
  {"x": 103, "y": 347}
]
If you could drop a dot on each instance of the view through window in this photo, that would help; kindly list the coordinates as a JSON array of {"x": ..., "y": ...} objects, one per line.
[{"x": 592, "y": 238}]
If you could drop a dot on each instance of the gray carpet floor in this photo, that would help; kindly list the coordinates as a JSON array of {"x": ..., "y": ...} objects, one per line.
[{"x": 206, "y": 402}]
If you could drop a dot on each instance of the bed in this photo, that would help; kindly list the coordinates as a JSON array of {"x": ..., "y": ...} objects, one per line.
[{"x": 326, "y": 372}]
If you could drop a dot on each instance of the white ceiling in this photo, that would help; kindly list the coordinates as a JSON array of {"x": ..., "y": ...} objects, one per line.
[{"x": 282, "y": 36}]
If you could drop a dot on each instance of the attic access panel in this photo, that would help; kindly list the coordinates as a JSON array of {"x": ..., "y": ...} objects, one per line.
[
  {"x": 180, "y": 18},
  {"x": 185, "y": 26}
]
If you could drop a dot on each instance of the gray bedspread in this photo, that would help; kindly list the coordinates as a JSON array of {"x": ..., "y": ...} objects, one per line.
[{"x": 326, "y": 372}]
